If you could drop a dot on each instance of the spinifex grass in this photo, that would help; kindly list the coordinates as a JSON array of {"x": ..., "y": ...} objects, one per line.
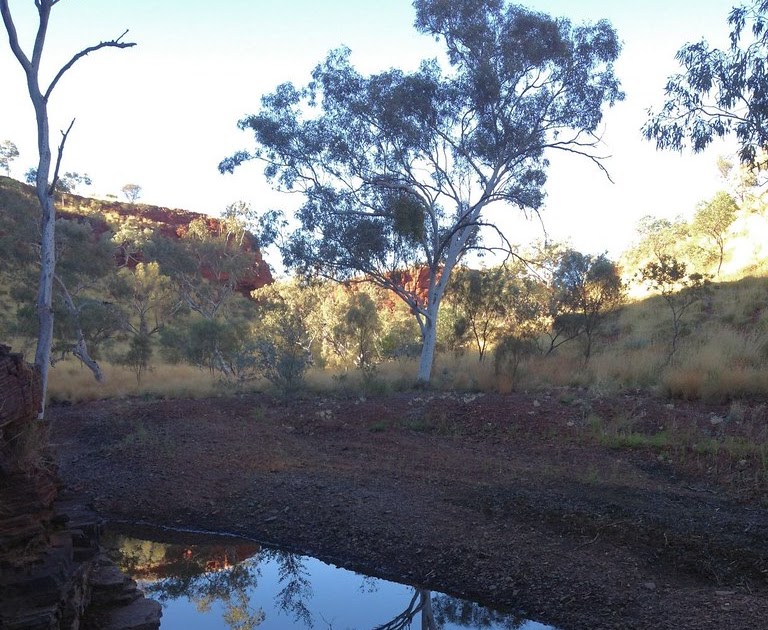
[{"x": 73, "y": 382}]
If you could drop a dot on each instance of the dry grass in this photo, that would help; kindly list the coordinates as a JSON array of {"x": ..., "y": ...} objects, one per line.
[
  {"x": 26, "y": 448},
  {"x": 71, "y": 381},
  {"x": 722, "y": 354}
]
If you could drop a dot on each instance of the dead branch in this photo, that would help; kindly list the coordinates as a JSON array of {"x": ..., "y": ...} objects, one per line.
[
  {"x": 112, "y": 43},
  {"x": 59, "y": 155}
]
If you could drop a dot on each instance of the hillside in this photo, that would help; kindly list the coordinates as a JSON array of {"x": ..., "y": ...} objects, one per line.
[
  {"x": 189, "y": 310},
  {"x": 114, "y": 217}
]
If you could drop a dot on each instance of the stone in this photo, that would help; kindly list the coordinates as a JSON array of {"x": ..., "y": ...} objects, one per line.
[
  {"x": 141, "y": 614},
  {"x": 51, "y": 571}
]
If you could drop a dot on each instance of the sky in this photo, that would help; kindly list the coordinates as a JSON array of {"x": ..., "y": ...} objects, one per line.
[{"x": 164, "y": 113}]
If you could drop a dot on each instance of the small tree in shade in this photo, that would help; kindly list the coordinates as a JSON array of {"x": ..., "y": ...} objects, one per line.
[
  {"x": 587, "y": 289},
  {"x": 360, "y": 324},
  {"x": 483, "y": 299},
  {"x": 679, "y": 290}
]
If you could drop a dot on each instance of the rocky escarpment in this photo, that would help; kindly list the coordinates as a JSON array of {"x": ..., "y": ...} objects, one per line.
[
  {"x": 18, "y": 203},
  {"x": 53, "y": 575}
]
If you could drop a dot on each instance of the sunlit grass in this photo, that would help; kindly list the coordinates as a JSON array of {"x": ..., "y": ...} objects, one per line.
[
  {"x": 71, "y": 381},
  {"x": 722, "y": 355}
]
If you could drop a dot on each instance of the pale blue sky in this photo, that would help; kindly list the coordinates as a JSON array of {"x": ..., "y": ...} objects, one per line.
[{"x": 164, "y": 113}]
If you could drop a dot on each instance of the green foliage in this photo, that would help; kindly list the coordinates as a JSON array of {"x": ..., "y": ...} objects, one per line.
[
  {"x": 360, "y": 326},
  {"x": 400, "y": 333},
  {"x": 139, "y": 355},
  {"x": 172, "y": 344},
  {"x": 408, "y": 217},
  {"x": 8, "y": 153},
  {"x": 720, "y": 91},
  {"x": 281, "y": 349},
  {"x": 510, "y": 352},
  {"x": 210, "y": 344},
  {"x": 18, "y": 228},
  {"x": 712, "y": 220},
  {"x": 679, "y": 290},
  {"x": 483, "y": 301},
  {"x": 149, "y": 302},
  {"x": 587, "y": 289},
  {"x": 397, "y": 168}
]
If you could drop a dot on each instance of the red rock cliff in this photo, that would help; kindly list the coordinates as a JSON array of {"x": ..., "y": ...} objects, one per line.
[{"x": 170, "y": 223}]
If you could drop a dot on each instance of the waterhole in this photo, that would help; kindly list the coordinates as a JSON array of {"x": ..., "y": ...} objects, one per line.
[{"x": 211, "y": 582}]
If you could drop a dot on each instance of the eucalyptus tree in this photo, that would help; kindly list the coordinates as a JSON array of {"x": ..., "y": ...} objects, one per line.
[
  {"x": 132, "y": 192},
  {"x": 713, "y": 219},
  {"x": 719, "y": 91},
  {"x": 45, "y": 184},
  {"x": 149, "y": 301},
  {"x": 398, "y": 168},
  {"x": 8, "y": 153},
  {"x": 587, "y": 289}
]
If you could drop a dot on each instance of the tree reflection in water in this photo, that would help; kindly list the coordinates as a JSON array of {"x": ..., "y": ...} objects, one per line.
[
  {"x": 438, "y": 610},
  {"x": 421, "y": 602},
  {"x": 205, "y": 574},
  {"x": 228, "y": 574},
  {"x": 297, "y": 589}
]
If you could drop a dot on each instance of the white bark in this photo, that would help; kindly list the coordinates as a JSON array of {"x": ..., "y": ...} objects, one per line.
[
  {"x": 429, "y": 343},
  {"x": 438, "y": 283},
  {"x": 45, "y": 190}
]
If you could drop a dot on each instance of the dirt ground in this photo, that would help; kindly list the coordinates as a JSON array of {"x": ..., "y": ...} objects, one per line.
[{"x": 509, "y": 500}]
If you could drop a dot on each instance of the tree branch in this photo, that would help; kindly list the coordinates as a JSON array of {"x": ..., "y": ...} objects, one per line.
[
  {"x": 80, "y": 349},
  {"x": 113, "y": 43},
  {"x": 59, "y": 155},
  {"x": 13, "y": 37}
]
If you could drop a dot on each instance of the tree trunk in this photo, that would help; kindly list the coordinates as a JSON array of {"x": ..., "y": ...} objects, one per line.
[
  {"x": 427, "y": 614},
  {"x": 429, "y": 343},
  {"x": 45, "y": 295},
  {"x": 45, "y": 189},
  {"x": 45, "y": 194},
  {"x": 438, "y": 282}
]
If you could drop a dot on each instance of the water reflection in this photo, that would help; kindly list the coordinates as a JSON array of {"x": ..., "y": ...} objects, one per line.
[{"x": 244, "y": 586}]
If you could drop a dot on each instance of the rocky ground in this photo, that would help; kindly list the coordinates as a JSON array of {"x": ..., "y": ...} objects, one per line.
[{"x": 578, "y": 511}]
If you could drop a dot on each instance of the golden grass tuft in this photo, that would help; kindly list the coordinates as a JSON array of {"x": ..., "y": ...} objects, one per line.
[{"x": 71, "y": 381}]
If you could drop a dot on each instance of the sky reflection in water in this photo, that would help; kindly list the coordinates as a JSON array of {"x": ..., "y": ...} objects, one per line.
[{"x": 243, "y": 586}]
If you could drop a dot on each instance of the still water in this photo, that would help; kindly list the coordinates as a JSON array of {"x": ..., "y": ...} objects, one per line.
[{"x": 231, "y": 583}]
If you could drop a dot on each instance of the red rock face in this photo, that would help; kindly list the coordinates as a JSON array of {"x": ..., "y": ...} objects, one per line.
[
  {"x": 22, "y": 391},
  {"x": 416, "y": 281},
  {"x": 171, "y": 224}
]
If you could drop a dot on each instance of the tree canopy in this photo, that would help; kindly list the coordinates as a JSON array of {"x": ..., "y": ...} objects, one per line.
[
  {"x": 587, "y": 288},
  {"x": 396, "y": 168},
  {"x": 720, "y": 91},
  {"x": 8, "y": 153},
  {"x": 712, "y": 221}
]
